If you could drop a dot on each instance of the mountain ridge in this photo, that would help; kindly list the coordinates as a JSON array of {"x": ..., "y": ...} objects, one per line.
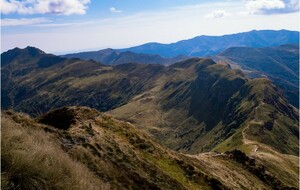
[
  {"x": 113, "y": 57},
  {"x": 210, "y": 45}
]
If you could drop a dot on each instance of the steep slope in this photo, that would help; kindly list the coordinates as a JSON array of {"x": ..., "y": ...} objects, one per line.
[
  {"x": 211, "y": 45},
  {"x": 194, "y": 107},
  {"x": 280, "y": 63},
  {"x": 115, "y": 57},
  {"x": 118, "y": 156}
]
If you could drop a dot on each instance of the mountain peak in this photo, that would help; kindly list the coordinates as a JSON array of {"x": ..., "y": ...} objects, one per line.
[
  {"x": 20, "y": 54},
  {"x": 33, "y": 51},
  {"x": 107, "y": 51}
]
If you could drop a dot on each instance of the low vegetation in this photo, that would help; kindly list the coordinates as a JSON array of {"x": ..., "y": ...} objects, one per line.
[{"x": 30, "y": 160}]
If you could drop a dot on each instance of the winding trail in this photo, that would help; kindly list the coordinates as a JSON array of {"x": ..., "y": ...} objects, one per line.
[{"x": 244, "y": 134}]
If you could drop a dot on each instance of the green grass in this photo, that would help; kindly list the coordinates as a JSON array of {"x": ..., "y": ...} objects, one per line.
[
  {"x": 231, "y": 143},
  {"x": 174, "y": 170}
]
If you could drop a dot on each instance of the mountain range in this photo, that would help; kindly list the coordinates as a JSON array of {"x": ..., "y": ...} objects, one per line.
[
  {"x": 212, "y": 45},
  {"x": 114, "y": 57},
  {"x": 197, "y": 123},
  {"x": 265, "y": 53}
]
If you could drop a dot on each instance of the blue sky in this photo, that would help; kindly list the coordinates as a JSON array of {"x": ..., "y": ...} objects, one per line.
[{"x": 61, "y": 26}]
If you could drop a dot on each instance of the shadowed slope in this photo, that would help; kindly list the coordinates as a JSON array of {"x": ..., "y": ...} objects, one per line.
[{"x": 279, "y": 63}]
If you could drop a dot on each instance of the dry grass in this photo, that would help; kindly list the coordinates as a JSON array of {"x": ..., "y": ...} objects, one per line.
[
  {"x": 228, "y": 171},
  {"x": 116, "y": 152},
  {"x": 31, "y": 160}
]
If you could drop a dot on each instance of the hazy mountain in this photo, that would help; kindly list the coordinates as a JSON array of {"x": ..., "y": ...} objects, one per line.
[
  {"x": 114, "y": 57},
  {"x": 192, "y": 106},
  {"x": 279, "y": 63},
  {"x": 211, "y": 45}
]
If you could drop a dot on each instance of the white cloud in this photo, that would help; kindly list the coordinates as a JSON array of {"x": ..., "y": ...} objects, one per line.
[
  {"x": 23, "y": 21},
  {"x": 218, "y": 14},
  {"x": 272, "y": 6},
  {"x": 114, "y": 10},
  {"x": 61, "y": 7}
]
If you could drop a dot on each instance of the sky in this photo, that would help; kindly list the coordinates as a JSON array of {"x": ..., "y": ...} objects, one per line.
[{"x": 65, "y": 26}]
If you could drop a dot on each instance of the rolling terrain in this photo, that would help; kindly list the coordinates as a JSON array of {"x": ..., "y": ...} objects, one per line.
[
  {"x": 32, "y": 87},
  {"x": 192, "y": 107},
  {"x": 265, "y": 53},
  {"x": 279, "y": 63}
]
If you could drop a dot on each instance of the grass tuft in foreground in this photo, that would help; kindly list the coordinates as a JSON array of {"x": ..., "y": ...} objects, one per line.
[{"x": 30, "y": 160}]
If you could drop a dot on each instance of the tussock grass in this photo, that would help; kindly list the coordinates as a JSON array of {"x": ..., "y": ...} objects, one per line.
[{"x": 31, "y": 160}]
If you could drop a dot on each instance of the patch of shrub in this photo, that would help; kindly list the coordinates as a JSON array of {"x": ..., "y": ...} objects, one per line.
[{"x": 60, "y": 118}]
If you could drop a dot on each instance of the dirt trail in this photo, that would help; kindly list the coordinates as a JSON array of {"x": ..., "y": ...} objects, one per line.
[{"x": 244, "y": 134}]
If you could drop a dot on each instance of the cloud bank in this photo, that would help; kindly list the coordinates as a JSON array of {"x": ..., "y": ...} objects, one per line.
[
  {"x": 60, "y": 7},
  {"x": 272, "y": 6}
]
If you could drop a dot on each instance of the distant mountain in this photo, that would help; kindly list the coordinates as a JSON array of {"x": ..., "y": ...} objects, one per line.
[
  {"x": 279, "y": 63},
  {"x": 211, "y": 45},
  {"x": 192, "y": 106},
  {"x": 115, "y": 57}
]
